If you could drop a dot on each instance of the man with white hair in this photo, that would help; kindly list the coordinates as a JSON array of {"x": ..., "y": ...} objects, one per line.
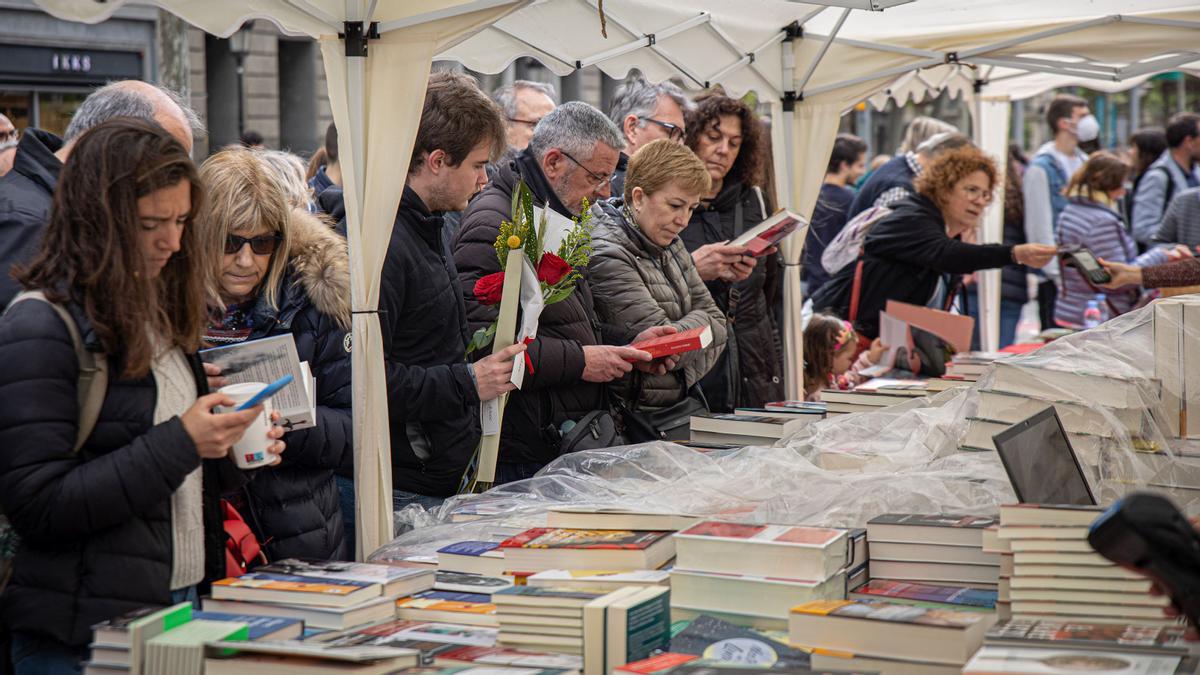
[
  {"x": 524, "y": 104},
  {"x": 570, "y": 158},
  {"x": 27, "y": 191},
  {"x": 646, "y": 112},
  {"x": 8, "y": 144}
]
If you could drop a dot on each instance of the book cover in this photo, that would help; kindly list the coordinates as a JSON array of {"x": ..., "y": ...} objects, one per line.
[
  {"x": 712, "y": 639},
  {"x": 448, "y": 601},
  {"x": 548, "y": 577},
  {"x": 940, "y": 520},
  {"x": 890, "y": 612},
  {"x": 1108, "y": 636},
  {"x": 266, "y": 360},
  {"x": 542, "y": 537},
  {"x": 544, "y": 592},
  {"x": 676, "y": 343},
  {"x": 639, "y": 625},
  {"x": 291, "y": 583},
  {"x": 343, "y": 571},
  {"x": 464, "y": 582},
  {"x": 506, "y": 656},
  {"x": 422, "y": 631},
  {"x": 770, "y": 232},
  {"x": 258, "y": 627},
  {"x": 473, "y": 548},
  {"x": 667, "y": 661},
  {"x": 883, "y": 589},
  {"x": 818, "y": 537},
  {"x": 1036, "y": 661}
]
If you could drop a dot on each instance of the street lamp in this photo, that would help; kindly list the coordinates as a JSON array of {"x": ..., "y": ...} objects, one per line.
[{"x": 239, "y": 46}]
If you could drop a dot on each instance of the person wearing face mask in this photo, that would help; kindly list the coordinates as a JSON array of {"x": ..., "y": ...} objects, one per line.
[
  {"x": 643, "y": 275},
  {"x": 1046, "y": 178},
  {"x": 1092, "y": 218},
  {"x": 910, "y": 250},
  {"x": 1177, "y": 169},
  {"x": 726, "y": 136}
]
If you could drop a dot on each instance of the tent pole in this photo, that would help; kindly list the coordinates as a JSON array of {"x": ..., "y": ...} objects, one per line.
[
  {"x": 793, "y": 342},
  {"x": 812, "y": 67}
]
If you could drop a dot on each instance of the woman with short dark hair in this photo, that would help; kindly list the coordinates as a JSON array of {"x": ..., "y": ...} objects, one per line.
[
  {"x": 727, "y": 137},
  {"x": 128, "y": 516},
  {"x": 916, "y": 246}
]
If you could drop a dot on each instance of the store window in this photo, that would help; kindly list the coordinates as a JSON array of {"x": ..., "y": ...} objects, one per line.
[
  {"x": 55, "y": 110},
  {"x": 17, "y": 106}
]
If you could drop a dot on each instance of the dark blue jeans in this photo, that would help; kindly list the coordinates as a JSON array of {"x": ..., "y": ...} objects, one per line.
[
  {"x": 346, "y": 502},
  {"x": 36, "y": 654},
  {"x": 508, "y": 472}
]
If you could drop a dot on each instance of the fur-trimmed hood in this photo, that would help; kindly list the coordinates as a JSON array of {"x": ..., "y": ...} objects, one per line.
[{"x": 319, "y": 262}]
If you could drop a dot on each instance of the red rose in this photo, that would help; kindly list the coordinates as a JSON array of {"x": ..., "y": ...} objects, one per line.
[
  {"x": 552, "y": 269},
  {"x": 489, "y": 289}
]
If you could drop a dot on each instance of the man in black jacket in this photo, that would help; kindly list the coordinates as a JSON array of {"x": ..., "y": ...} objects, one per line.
[
  {"x": 571, "y": 158},
  {"x": 433, "y": 393},
  {"x": 27, "y": 191}
]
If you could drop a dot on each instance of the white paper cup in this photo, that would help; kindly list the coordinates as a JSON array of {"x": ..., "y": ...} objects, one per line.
[{"x": 250, "y": 452}]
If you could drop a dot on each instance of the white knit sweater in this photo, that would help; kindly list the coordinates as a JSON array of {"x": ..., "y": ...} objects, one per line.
[{"x": 176, "y": 393}]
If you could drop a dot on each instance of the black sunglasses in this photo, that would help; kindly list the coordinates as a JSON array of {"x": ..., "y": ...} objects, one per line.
[{"x": 264, "y": 244}]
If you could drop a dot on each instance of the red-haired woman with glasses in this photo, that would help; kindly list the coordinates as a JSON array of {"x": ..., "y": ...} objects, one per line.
[{"x": 279, "y": 270}]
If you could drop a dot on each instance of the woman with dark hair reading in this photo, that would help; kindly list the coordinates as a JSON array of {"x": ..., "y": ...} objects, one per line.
[
  {"x": 128, "y": 515},
  {"x": 918, "y": 246},
  {"x": 727, "y": 137}
]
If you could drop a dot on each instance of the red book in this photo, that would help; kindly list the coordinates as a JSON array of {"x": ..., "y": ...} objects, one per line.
[
  {"x": 676, "y": 343},
  {"x": 760, "y": 238}
]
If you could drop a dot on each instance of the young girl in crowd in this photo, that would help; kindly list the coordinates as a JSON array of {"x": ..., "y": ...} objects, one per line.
[
  {"x": 1093, "y": 219},
  {"x": 126, "y": 516},
  {"x": 829, "y": 347}
]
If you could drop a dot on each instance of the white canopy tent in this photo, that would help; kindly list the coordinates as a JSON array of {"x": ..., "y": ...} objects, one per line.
[{"x": 780, "y": 49}]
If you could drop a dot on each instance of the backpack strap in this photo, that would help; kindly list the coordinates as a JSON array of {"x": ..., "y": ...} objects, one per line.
[
  {"x": 92, "y": 384},
  {"x": 856, "y": 290}
]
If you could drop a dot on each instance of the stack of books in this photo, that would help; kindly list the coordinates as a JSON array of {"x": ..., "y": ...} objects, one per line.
[
  {"x": 711, "y": 640},
  {"x": 887, "y": 637},
  {"x": 119, "y": 644},
  {"x": 840, "y": 402},
  {"x": 325, "y": 595},
  {"x": 171, "y": 639},
  {"x": 741, "y": 429},
  {"x": 292, "y": 657},
  {"x": 472, "y": 609},
  {"x": 472, "y": 557},
  {"x": 942, "y": 549},
  {"x": 970, "y": 366},
  {"x": 1041, "y": 646},
  {"x": 754, "y": 574},
  {"x": 545, "y": 548},
  {"x": 607, "y": 629},
  {"x": 1057, "y": 576}
]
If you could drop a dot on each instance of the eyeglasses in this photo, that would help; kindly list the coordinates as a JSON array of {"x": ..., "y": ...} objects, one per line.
[
  {"x": 674, "y": 132},
  {"x": 601, "y": 181},
  {"x": 264, "y": 244},
  {"x": 531, "y": 123},
  {"x": 977, "y": 194}
]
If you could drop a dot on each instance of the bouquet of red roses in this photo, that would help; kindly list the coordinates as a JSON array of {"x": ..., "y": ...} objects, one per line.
[{"x": 556, "y": 272}]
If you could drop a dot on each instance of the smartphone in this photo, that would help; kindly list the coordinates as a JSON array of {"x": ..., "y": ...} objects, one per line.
[
  {"x": 1146, "y": 533},
  {"x": 1085, "y": 261}
]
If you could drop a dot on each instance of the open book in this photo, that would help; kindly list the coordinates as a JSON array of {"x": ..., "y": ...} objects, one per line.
[
  {"x": 770, "y": 232},
  {"x": 267, "y": 360}
]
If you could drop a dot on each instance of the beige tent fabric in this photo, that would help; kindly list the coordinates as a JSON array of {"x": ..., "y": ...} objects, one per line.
[
  {"x": 991, "y": 134},
  {"x": 393, "y": 91}
]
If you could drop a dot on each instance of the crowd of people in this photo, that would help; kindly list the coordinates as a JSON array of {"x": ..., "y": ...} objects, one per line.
[{"x": 121, "y": 265}]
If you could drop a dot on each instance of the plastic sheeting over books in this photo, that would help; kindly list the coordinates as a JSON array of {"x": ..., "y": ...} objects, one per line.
[{"x": 1107, "y": 385}]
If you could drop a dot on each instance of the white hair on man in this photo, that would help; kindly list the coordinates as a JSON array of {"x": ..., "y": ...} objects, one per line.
[
  {"x": 575, "y": 127},
  {"x": 127, "y": 99},
  {"x": 639, "y": 97},
  {"x": 506, "y": 96}
]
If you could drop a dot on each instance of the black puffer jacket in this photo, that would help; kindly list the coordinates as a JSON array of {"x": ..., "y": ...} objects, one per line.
[
  {"x": 554, "y": 392},
  {"x": 749, "y": 371},
  {"x": 431, "y": 392},
  {"x": 295, "y": 505},
  {"x": 96, "y": 526},
  {"x": 26, "y": 193},
  {"x": 905, "y": 254}
]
